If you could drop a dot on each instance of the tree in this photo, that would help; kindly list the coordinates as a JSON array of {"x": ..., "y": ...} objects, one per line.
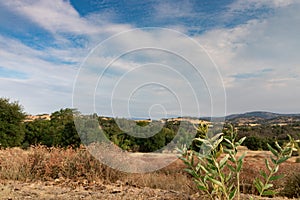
[
  {"x": 63, "y": 131},
  {"x": 11, "y": 123}
]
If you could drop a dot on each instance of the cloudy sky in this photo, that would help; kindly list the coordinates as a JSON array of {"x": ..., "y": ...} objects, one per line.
[{"x": 151, "y": 58}]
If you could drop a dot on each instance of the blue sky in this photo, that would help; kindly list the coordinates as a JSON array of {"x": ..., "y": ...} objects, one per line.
[{"x": 249, "y": 58}]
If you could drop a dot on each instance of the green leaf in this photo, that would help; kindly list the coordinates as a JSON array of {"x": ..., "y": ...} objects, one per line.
[
  {"x": 241, "y": 140},
  {"x": 278, "y": 146},
  {"x": 268, "y": 165},
  {"x": 239, "y": 166},
  {"x": 232, "y": 194},
  {"x": 276, "y": 169},
  {"x": 258, "y": 184},
  {"x": 203, "y": 168},
  {"x": 274, "y": 152},
  {"x": 228, "y": 142},
  {"x": 215, "y": 181},
  {"x": 263, "y": 174},
  {"x": 223, "y": 161},
  {"x": 228, "y": 178},
  {"x": 287, "y": 150},
  {"x": 232, "y": 159},
  {"x": 274, "y": 178},
  {"x": 231, "y": 168},
  {"x": 201, "y": 187},
  {"x": 216, "y": 143},
  {"x": 267, "y": 186},
  {"x": 273, "y": 160},
  {"x": 192, "y": 172},
  {"x": 216, "y": 137},
  {"x": 242, "y": 157},
  {"x": 269, "y": 193},
  {"x": 281, "y": 160}
]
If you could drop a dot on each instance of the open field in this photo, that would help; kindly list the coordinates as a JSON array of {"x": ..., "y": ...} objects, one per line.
[{"x": 43, "y": 173}]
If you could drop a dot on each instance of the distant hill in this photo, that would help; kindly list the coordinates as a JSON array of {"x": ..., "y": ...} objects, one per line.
[{"x": 261, "y": 117}]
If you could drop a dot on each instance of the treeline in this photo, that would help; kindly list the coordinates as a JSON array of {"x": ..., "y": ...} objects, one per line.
[
  {"x": 60, "y": 130},
  {"x": 15, "y": 131},
  {"x": 130, "y": 135},
  {"x": 259, "y": 136}
]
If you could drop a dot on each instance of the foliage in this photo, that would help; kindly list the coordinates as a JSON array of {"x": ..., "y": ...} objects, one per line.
[
  {"x": 280, "y": 155},
  {"x": 11, "y": 127},
  {"x": 165, "y": 134},
  {"x": 59, "y": 131},
  {"x": 209, "y": 168},
  {"x": 292, "y": 187},
  {"x": 209, "y": 171},
  {"x": 259, "y": 136}
]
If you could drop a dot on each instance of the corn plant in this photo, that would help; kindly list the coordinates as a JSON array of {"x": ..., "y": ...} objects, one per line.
[{"x": 279, "y": 155}]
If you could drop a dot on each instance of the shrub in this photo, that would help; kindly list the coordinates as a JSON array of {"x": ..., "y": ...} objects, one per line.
[
  {"x": 209, "y": 168},
  {"x": 292, "y": 187}
]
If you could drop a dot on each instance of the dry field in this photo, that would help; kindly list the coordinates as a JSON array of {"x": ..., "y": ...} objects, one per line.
[{"x": 54, "y": 173}]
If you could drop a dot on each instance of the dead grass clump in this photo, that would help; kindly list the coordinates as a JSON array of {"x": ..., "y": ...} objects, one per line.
[
  {"x": 42, "y": 163},
  {"x": 180, "y": 182}
]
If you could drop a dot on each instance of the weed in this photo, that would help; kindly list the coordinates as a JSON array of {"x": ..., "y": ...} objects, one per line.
[{"x": 210, "y": 169}]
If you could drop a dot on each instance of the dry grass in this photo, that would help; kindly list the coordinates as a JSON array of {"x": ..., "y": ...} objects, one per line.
[
  {"x": 78, "y": 165},
  {"x": 42, "y": 163}
]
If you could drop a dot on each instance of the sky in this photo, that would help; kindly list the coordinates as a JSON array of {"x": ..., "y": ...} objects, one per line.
[{"x": 151, "y": 59}]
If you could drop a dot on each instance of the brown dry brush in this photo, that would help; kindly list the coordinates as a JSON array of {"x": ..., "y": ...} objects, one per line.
[
  {"x": 43, "y": 163},
  {"x": 40, "y": 163}
]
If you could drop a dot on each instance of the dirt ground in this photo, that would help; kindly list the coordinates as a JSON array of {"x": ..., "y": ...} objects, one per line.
[
  {"x": 13, "y": 190},
  {"x": 63, "y": 189},
  {"x": 53, "y": 190}
]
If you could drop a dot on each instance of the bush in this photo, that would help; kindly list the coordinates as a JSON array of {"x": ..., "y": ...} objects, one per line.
[
  {"x": 292, "y": 187},
  {"x": 208, "y": 167}
]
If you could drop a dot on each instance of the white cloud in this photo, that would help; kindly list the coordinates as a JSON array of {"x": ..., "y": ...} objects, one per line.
[
  {"x": 265, "y": 53},
  {"x": 269, "y": 44},
  {"x": 242, "y": 5},
  {"x": 171, "y": 10}
]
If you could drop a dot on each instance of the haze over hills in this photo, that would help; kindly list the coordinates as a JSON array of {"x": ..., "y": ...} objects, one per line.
[
  {"x": 255, "y": 117},
  {"x": 262, "y": 117}
]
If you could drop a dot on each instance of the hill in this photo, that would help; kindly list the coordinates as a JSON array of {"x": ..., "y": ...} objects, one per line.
[{"x": 260, "y": 117}]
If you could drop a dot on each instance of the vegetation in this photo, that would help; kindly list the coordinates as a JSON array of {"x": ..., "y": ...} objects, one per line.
[
  {"x": 210, "y": 170},
  {"x": 292, "y": 187},
  {"x": 59, "y": 131},
  {"x": 259, "y": 136},
  {"x": 11, "y": 127},
  {"x": 280, "y": 155},
  {"x": 54, "y": 151}
]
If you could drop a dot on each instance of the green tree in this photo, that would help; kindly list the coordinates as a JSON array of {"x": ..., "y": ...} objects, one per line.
[
  {"x": 62, "y": 130},
  {"x": 35, "y": 132},
  {"x": 11, "y": 123}
]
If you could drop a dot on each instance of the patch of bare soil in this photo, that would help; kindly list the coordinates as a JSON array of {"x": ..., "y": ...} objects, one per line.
[{"x": 12, "y": 190}]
